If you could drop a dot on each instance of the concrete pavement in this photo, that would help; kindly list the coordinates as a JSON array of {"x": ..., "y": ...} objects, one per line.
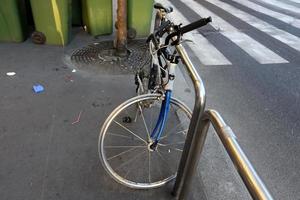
[{"x": 45, "y": 155}]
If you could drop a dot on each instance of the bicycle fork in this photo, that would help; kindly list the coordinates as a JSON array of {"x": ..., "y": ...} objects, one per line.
[{"x": 165, "y": 107}]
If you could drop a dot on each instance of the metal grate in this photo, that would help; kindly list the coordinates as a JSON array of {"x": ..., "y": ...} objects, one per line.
[{"x": 100, "y": 53}]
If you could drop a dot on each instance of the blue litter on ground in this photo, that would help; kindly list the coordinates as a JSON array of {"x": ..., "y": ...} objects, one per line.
[{"x": 38, "y": 88}]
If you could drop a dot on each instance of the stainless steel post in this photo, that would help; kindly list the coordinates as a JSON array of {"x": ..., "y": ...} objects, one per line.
[
  {"x": 254, "y": 184},
  {"x": 195, "y": 136},
  {"x": 195, "y": 141}
]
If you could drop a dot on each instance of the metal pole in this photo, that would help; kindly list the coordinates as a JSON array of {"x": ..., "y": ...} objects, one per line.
[
  {"x": 187, "y": 162},
  {"x": 121, "y": 28},
  {"x": 195, "y": 141},
  {"x": 254, "y": 184},
  {"x": 193, "y": 158}
]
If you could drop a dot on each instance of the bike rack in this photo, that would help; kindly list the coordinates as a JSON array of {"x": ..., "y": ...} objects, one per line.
[{"x": 195, "y": 139}]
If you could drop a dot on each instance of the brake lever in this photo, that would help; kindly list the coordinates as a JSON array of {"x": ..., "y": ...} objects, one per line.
[
  {"x": 176, "y": 33},
  {"x": 163, "y": 28}
]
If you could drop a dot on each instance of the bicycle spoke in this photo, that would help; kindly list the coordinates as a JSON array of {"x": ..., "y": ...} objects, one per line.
[
  {"x": 177, "y": 149},
  {"x": 148, "y": 134},
  {"x": 167, "y": 163},
  {"x": 130, "y": 160},
  {"x": 130, "y": 131},
  {"x": 170, "y": 147},
  {"x": 149, "y": 167},
  {"x": 172, "y": 130},
  {"x": 111, "y": 147},
  {"x": 128, "y": 171},
  {"x": 124, "y": 146},
  {"x": 151, "y": 120},
  {"x": 182, "y": 131},
  {"x": 118, "y": 135},
  {"x": 169, "y": 144},
  {"x": 160, "y": 172},
  {"x": 121, "y": 153}
]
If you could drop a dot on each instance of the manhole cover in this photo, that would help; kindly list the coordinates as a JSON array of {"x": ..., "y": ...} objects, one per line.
[{"x": 103, "y": 54}]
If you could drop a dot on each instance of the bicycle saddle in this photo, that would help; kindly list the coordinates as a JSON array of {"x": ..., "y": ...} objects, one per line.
[{"x": 160, "y": 6}]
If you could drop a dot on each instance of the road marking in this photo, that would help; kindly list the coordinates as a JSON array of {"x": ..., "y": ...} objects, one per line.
[
  {"x": 279, "y": 16},
  {"x": 256, "y": 50},
  {"x": 206, "y": 52},
  {"x": 295, "y": 1},
  {"x": 282, "y": 5},
  {"x": 261, "y": 25}
]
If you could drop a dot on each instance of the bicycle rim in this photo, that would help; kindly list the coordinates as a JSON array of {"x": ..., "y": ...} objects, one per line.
[{"x": 124, "y": 142}]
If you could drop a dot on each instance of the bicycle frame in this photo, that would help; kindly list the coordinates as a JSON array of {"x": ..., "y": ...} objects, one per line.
[
  {"x": 163, "y": 115},
  {"x": 174, "y": 36}
]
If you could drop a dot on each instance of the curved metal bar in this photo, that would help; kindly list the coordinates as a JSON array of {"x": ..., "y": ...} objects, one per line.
[
  {"x": 196, "y": 137},
  {"x": 191, "y": 152},
  {"x": 254, "y": 184}
]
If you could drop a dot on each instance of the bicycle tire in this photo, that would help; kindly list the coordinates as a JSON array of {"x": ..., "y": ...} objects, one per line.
[{"x": 147, "y": 168}]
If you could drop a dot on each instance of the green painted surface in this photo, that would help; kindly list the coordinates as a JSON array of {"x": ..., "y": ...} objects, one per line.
[
  {"x": 139, "y": 15},
  {"x": 97, "y": 16},
  {"x": 76, "y": 12},
  {"x": 12, "y": 21},
  {"x": 53, "y": 18}
]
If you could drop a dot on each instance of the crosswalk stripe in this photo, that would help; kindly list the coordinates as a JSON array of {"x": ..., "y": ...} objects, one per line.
[
  {"x": 295, "y": 1},
  {"x": 277, "y": 9},
  {"x": 279, "y": 16},
  {"x": 256, "y": 50},
  {"x": 282, "y": 5},
  {"x": 261, "y": 25},
  {"x": 206, "y": 52}
]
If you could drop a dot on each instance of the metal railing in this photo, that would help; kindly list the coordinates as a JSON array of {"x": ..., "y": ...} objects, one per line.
[{"x": 195, "y": 139}]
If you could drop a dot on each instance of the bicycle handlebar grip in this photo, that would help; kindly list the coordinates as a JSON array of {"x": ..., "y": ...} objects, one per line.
[{"x": 195, "y": 25}]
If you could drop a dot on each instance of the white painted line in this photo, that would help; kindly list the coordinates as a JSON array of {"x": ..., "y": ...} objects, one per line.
[
  {"x": 261, "y": 25},
  {"x": 282, "y": 5},
  {"x": 296, "y": 1},
  {"x": 279, "y": 16},
  {"x": 205, "y": 51},
  {"x": 255, "y": 49}
]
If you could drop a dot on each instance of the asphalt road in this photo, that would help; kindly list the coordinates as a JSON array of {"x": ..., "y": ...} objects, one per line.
[
  {"x": 259, "y": 98},
  {"x": 249, "y": 61}
]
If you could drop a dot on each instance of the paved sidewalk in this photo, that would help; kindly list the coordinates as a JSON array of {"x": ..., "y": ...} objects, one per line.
[{"x": 46, "y": 154}]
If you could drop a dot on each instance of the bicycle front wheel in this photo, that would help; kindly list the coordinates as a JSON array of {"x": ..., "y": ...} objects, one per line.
[{"x": 124, "y": 142}]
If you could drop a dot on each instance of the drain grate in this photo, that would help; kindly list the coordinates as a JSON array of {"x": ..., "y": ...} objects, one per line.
[{"x": 103, "y": 52}]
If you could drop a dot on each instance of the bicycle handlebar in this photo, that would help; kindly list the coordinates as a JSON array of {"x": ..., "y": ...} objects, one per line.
[
  {"x": 195, "y": 25},
  {"x": 177, "y": 31},
  {"x": 188, "y": 28}
]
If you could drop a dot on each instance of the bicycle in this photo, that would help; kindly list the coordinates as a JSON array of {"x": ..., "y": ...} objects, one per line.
[{"x": 141, "y": 141}]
